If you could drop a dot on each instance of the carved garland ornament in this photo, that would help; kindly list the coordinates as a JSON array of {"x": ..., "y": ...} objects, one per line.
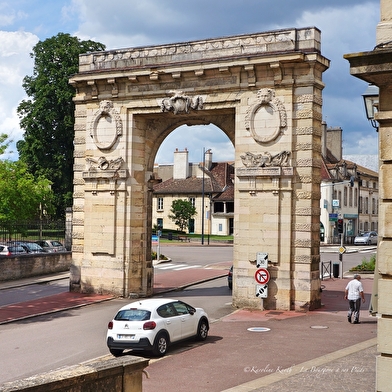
[
  {"x": 111, "y": 132},
  {"x": 180, "y": 103},
  {"x": 266, "y": 118}
]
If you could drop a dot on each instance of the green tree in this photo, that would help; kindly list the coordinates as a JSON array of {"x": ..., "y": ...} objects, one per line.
[
  {"x": 4, "y": 143},
  {"x": 181, "y": 212},
  {"x": 47, "y": 117},
  {"x": 22, "y": 196}
]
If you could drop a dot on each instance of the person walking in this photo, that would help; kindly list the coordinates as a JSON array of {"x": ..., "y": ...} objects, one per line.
[{"x": 354, "y": 294}]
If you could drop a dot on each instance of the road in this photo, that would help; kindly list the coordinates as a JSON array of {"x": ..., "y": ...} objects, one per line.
[
  {"x": 62, "y": 339},
  {"x": 66, "y": 338},
  {"x": 350, "y": 260}
]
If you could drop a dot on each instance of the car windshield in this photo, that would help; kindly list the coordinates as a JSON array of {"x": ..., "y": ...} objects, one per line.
[
  {"x": 364, "y": 235},
  {"x": 133, "y": 315}
]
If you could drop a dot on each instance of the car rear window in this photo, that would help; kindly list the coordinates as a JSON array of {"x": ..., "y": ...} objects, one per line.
[{"x": 133, "y": 315}]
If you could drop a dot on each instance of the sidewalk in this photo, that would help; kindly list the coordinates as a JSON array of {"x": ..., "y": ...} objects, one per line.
[
  {"x": 279, "y": 351},
  {"x": 249, "y": 350}
]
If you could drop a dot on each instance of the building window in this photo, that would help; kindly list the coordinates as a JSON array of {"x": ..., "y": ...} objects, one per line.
[
  {"x": 160, "y": 203},
  {"x": 360, "y": 204},
  {"x": 340, "y": 197},
  {"x": 373, "y": 206},
  {"x": 230, "y": 206},
  {"x": 219, "y": 207},
  {"x": 345, "y": 196},
  {"x": 366, "y": 205},
  {"x": 192, "y": 200},
  {"x": 220, "y": 227},
  {"x": 355, "y": 197},
  {"x": 350, "y": 197}
]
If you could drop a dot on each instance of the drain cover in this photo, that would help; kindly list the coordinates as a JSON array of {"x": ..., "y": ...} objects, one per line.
[{"x": 258, "y": 329}]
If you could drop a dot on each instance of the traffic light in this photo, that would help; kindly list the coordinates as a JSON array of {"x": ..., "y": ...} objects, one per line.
[{"x": 340, "y": 226}]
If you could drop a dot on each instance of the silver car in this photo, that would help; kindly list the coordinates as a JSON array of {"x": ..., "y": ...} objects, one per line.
[
  {"x": 51, "y": 246},
  {"x": 367, "y": 238}
]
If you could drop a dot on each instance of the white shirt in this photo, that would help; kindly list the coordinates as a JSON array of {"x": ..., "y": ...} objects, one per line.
[{"x": 354, "y": 289}]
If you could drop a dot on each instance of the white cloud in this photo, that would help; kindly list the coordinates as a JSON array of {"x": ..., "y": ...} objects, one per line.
[
  {"x": 346, "y": 26},
  {"x": 15, "y": 64}
]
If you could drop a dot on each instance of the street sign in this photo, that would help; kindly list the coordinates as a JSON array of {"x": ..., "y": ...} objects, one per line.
[
  {"x": 262, "y": 291},
  {"x": 342, "y": 250},
  {"x": 262, "y": 276},
  {"x": 333, "y": 217},
  {"x": 262, "y": 260}
]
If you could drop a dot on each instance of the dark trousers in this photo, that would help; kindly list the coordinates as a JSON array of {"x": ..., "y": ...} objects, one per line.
[{"x": 354, "y": 308}]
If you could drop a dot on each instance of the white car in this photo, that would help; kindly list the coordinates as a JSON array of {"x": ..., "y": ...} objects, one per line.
[
  {"x": 367, "y": 238},
  {"x": 153, "y": 324}
]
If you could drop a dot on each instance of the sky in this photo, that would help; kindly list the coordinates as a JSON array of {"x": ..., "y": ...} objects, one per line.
[{"x": 347, "y": 26}]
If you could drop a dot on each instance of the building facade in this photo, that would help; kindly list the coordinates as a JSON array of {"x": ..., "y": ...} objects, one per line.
[
  {"x": 349, "y": 194},
  {"x": 207, "y": 185}
]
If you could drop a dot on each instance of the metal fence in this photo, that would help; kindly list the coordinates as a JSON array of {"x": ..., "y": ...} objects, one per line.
[{"x": 32, "y": 231}]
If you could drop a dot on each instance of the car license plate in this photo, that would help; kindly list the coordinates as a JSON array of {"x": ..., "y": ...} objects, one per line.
[{"x": 126, "y": 337}]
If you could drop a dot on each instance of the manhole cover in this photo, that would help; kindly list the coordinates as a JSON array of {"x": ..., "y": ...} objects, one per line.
[
  {"x": 319, "y": 327},
  {"x": 258, "y": 329}
]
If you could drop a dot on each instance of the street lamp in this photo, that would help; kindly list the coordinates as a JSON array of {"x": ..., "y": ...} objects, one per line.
[
  {"x": 202, "y": 196},
  {"x": 370, "y": 98}
]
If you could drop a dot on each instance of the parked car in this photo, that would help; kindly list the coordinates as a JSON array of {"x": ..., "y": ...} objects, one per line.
[
  {"x": 153, "y": 324},
  {"x": 51, "y": 246},
  {"x": 29, "y": 247},
  {"x": 230, "y": 278},
  {"x": 367, "y": 238},
  {"x": 9, "y": 250}
]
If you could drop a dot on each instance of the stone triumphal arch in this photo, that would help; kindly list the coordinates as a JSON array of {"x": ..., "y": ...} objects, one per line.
[{"x": 264, "y": 91}]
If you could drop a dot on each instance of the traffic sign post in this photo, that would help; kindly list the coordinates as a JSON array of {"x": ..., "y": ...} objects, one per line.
[{"x": 262, "y": 276}]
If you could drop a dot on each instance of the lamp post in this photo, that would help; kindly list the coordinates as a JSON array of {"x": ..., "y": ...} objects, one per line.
[
  {"x": 203, "y": 196},
  {"x": 370, "y": 98}
]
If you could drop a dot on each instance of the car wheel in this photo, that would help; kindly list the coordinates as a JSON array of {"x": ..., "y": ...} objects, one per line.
[
  {"x": 115, "y": 352},
  {"x": 160, "y": 344},
  {"x": 202, "y": 330}
]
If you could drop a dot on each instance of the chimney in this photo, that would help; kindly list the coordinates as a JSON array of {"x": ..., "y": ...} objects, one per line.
[
  {"x": 208, "y": 159},
  {"x": 181, "y": 165}
]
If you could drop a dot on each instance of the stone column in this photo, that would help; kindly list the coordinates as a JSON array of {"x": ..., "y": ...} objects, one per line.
[{"x": 376, "y": 67}]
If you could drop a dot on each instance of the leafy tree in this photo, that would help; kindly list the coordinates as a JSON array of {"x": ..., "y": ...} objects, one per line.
[
  {"x": 4, "y": 143},
  {"x": 181, "y": 212},
  {"x": 47, "y": 117},
  {"x": 22, "y": 196}
]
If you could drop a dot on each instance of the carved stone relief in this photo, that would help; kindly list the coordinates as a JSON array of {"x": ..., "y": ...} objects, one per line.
[
  {"x": 180, "y": 103},
  {"x": 106, "y": 126},
  {"x": 103, "y": 164},
  {"x": 101, "y": 168},
  {"x": 266, "y": 160},
  {"x": 267, "y": 117}
]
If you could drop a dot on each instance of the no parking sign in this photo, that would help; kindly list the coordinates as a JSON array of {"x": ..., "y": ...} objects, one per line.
[{"x": 262, "y": 277}]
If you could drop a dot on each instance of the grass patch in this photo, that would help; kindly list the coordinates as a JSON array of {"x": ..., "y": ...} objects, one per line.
[{"x": 366, "y": 265}]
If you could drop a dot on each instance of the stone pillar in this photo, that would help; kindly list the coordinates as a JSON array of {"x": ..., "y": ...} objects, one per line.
[{"x": 376, "y": 67}]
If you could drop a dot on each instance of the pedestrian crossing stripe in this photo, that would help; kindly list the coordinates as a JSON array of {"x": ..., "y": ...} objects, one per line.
[{"x": 177, "y": 267}]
